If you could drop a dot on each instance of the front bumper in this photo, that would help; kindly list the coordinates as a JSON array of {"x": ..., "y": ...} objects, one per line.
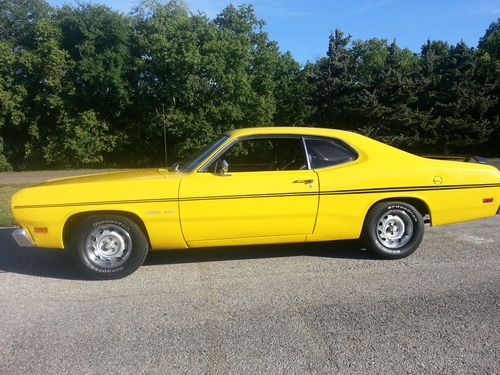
[{"x": 22, "y": 238}]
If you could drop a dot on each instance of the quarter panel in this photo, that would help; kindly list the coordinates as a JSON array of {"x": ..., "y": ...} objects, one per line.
[
  {"x": 154, "y": 201},
  {"x": 348, "y": 191},
  {"x": 160, "y": 219}
]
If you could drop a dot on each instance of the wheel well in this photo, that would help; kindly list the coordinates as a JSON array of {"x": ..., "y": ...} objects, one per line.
[
  {"x": 74, "y": 220},
  {"x": 419, "y": 204}
]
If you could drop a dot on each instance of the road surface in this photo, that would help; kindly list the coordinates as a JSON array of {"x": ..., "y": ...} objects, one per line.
[{"x": 297, "y": 309}]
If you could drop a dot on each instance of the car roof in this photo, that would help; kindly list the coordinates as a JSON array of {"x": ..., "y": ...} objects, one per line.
[
  {"x": 360, "y": 143},
  {"x": 288, "y": 130}
]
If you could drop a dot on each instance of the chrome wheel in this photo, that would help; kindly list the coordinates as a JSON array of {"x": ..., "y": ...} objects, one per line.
[
  {"x": 394, "y": 229},
  {"x": 108, "y": 246}
]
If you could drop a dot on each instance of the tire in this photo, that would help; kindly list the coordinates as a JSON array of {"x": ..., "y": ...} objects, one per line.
[
  {"x": 393, "y": 230},
  {"x": 108, "y": 246}
]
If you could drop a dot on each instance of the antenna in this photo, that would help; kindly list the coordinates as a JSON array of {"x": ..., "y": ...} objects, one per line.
[
  {"x": 164, "y": 135},
  {"x": 164, "y": 122}
]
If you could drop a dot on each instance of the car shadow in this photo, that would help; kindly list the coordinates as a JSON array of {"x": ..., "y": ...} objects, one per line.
[
  {"x": 54, "y": 263},
  {"x": 333, "y": 249},
  {"x": 35, "y": 261}
]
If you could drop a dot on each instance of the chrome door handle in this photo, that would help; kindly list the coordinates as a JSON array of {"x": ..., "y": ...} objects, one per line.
[{"x": 303, "y": 181}]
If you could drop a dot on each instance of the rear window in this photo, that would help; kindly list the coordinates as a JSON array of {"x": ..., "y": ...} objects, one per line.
[{"x": 326, "y": 152}]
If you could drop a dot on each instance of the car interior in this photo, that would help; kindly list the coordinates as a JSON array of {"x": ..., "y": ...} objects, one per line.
[
  {"x": 282, "y": 154},
  {"x": 264, "y": 154}
]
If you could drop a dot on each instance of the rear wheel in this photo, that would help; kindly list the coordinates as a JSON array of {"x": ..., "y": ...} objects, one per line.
[
  {"x": 393, "y": 230},
  {"x": 108, "y": 246}
]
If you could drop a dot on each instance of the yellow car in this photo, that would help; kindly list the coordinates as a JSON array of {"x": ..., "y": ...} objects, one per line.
[{"x": 256, "y": 186}]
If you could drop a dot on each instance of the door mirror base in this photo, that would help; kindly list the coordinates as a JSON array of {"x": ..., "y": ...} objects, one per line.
[{"x": 224, "y": 168}]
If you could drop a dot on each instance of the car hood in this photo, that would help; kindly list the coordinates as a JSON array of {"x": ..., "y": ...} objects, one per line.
[
  {"x": 124, "y": 175},
  {"x": 102, "y": 188}
]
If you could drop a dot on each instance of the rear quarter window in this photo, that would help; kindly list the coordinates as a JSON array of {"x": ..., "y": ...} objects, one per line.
[{"x": 328, "y": 152}]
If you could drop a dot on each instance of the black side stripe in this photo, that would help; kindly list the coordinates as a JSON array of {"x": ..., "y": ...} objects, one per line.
[
  {"x": 163, "y": 200},
  {"x": 410, "y": 188},
  {"x": 271, "y": 195},
  {"x": 100, "y": 203}
]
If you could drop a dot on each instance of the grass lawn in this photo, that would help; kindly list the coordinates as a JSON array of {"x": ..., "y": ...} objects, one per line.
[{"x": 6, "y": 191}]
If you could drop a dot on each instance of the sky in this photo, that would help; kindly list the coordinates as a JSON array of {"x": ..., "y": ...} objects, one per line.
[{"x": 303, "y": 26}]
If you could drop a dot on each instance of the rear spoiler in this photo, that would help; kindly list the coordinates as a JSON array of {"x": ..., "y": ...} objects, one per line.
[{"x": 465, "y": 158}]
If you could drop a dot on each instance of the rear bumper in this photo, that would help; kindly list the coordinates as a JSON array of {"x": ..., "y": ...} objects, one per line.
[{"x": 22, "y": 238}]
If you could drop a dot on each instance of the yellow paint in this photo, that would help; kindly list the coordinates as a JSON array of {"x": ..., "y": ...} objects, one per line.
[
  {"x": 222, "y": 218},
  {"x": 181, "y": 210}
]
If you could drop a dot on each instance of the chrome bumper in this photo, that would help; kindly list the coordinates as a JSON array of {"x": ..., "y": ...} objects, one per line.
[{"x": 22, "y": 238}]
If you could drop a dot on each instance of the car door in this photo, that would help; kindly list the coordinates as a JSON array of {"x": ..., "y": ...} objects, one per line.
[{"x": 268, "y": 190}]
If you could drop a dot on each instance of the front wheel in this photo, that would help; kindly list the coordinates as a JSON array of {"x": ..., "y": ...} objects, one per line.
[
  {"x": 393, "y": 230},
  {"x": 108, "y": 246}
]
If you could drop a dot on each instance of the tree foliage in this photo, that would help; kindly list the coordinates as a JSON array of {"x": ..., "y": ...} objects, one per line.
[
  {"x": 86, "y": 85},
  {"x": 443, "y": 99}
]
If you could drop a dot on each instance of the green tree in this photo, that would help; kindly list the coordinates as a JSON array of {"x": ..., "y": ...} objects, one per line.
[
  {"x": 17, "y": 22},
  {"x": 488, "y": 76},
  {"x": 202, "y": 76},
  {"x": 335, "y": 85},
  {"x": 292, "y": 92},
  {"x": 85, "y": 85},
  {"x": 97, "y": 40},
  {"x": 42, "y": 78},
  {"x": 79, "y": 142},
  {"x": 456, "y": 102},
  {"x": 384, "y": 101},
  {"x": 19, "y": 17},
  {"x": 11, "y": 98},
  {"x": 490, "y": 41},
  {"x": 171, "y": 82}
]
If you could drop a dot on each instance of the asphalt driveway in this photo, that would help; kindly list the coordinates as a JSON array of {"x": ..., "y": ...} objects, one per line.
[{"x": 323, "y": 308}]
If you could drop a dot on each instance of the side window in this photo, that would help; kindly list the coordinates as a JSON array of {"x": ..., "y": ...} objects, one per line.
[
  {"x": 325, "y": 153},
  {"x": 264, "y": 154}
]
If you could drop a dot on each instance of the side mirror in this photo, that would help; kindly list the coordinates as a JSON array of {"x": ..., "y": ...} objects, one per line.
[
  {"x": 175, "y": 167},
  {"x": 224, "y": 168}
]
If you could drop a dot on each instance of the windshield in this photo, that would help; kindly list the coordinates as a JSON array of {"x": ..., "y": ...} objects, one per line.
[{"x": 193, "y": 163}]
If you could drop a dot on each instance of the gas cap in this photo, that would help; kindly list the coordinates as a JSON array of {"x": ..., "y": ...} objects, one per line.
[{"x": 438, "y": 180}]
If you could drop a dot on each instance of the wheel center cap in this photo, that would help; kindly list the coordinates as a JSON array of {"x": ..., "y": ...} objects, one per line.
[
  {"x": 394, "y": 228},
  {"x": 110, "y": 245}
]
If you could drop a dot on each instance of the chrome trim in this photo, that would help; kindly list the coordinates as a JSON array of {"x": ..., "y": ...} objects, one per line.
[
  {"x": 22, "y": 238},
  {"x": 306, "y": 152}
]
